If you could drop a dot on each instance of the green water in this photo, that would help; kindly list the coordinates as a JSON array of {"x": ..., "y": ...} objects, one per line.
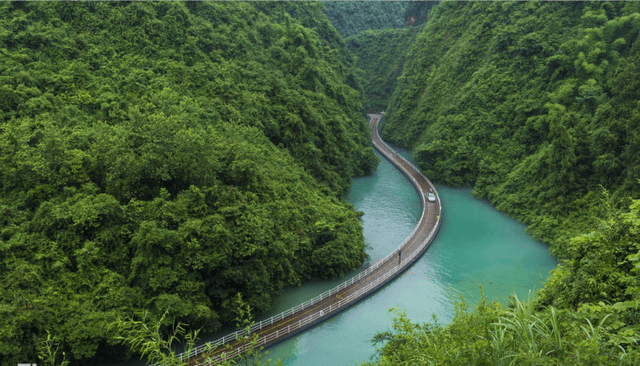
[{"x": 476, "y": 245}]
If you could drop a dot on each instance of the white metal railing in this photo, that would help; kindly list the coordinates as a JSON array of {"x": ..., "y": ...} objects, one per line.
[
  {"x": 241, "y": 333},
  {"x": 408, "y": 174},
  {"x": 261, "y": 341}
]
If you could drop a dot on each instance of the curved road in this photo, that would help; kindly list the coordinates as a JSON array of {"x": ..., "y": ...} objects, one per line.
[{"x": 330, "y": 303}]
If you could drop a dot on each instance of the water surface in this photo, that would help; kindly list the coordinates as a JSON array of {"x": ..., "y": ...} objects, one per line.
[{"x": 476, "y": 245}]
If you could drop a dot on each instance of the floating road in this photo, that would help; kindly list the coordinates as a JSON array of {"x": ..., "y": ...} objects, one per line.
[{"x": 350, "y": 292}]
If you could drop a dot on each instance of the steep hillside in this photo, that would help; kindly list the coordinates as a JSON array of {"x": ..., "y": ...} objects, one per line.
[
  {"x": 417, "y": 12},
  {"x": 382, "y": 55},
  {"x": 353, "y": 17},
  {"x": 535, "y": 105},
  {"x": 165, "y": 156},
  {"x": 536, "y": 115}
]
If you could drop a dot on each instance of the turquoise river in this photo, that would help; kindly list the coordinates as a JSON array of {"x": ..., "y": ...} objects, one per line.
[{"x": 476, "y": 245}]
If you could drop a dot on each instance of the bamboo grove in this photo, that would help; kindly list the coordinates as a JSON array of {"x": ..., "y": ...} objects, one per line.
[
  {"x": 170, "y": 159},
  {"x": 535, "y": 105},
  {"x": 165, "y": 157}
]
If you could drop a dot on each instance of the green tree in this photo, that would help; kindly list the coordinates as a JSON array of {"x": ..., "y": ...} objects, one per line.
[{"x": 162, "y": 157}]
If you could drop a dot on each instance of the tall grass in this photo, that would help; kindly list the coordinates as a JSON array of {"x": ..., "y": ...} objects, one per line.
[
  {"x": 523, "y": 333},
  {"x": 520, "y": 334}
]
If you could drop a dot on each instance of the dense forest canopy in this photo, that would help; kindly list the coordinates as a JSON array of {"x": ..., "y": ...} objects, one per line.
[
  {"x": 417, "y": 12},
  {"x": 165, "y": 156},
  {"x": 535, "y": 105},
  {"x": 381, "y": 55},
  {"x": 381, "y": 51},
  {"x": 353, "y": 17},
  {"x": 536, "y": 115}
]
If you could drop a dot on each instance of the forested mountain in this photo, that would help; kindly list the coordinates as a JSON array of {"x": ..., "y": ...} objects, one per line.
[
  {"x": 165, "y": 156},
  {"x": 381, "y": 55},
  {"x": 381, "y": 50},
  {"x": 535, "y": 105},
  {"x": 353, "y": 17},
  {"x": 417, "y": 12},
  {"x": 511, "y": 105}
]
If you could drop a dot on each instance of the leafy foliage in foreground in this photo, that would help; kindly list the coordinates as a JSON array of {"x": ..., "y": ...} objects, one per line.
[
  {"x": 587, "y": 313},
  {"x": 536, "y": 105},
  {"x": 381, "y": 55},
  {"x": 165, "y": 157},
  {"x": 493, "y": 335},
  {"x": 146, "y": 338},
  {"x": 353, "y": 17}
]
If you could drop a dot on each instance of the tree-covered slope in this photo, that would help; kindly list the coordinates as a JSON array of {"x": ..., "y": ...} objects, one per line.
[
  {"x": 352, "y": 17},
  {"x": 164, "y": 157},
  {"x": 381, "y": 55},
  {"x": 417, "y": 12},
  {"x": 535, "y": 114},
  {"x": 580, "y": 326},
  {"x": 535, "y": 105}
]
